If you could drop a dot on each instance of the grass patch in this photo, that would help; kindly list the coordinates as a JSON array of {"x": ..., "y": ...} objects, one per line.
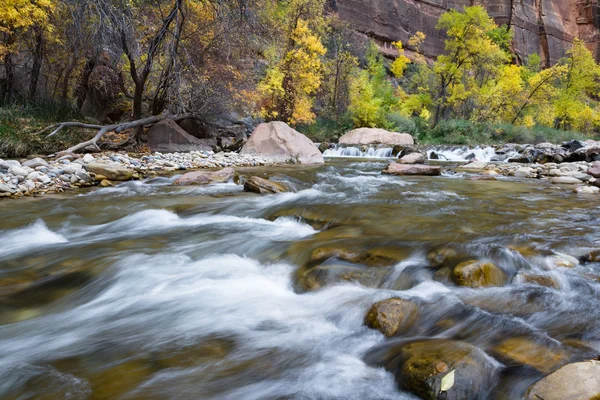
[{"x": 19, "y": 123}]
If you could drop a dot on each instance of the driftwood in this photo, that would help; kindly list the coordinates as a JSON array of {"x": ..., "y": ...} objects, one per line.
[{"x": 104, "y": 129}]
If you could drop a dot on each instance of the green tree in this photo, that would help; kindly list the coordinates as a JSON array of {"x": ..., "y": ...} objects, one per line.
[{"x": 473, "y": 55}]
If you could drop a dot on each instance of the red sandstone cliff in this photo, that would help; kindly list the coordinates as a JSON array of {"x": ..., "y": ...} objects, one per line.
[{"x": 546, "y": 27}]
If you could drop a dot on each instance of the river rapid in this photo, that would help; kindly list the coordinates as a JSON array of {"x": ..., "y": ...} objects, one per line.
[{"x": 151, "y": 291}]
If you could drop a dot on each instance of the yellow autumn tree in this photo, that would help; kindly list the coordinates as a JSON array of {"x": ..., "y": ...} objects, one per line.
[
  {"x": 288, "y": 90},
  {"x": 17, "y": 17}
]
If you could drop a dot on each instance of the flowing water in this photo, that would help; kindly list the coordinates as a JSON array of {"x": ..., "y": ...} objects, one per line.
[
  {"x": 150, "y": 291},
  {"x": 441, "y": 153}
]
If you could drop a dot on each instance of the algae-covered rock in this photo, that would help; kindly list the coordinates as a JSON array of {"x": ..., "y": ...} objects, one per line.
[
  {"x": 477, "y": 274},
  {"x": 439, "y": 368},
  {"x": 392, "y": 316}
]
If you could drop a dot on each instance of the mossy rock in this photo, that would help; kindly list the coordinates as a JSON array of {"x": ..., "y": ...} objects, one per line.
[
  {"x": 420, "y": 367},
  {"x": 392, "y": 316},
  {"x": 478, "y": 274},
  {"x": 543, "y": 356}
]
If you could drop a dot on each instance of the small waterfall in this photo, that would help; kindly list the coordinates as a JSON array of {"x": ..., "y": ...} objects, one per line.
[
  {"x": 354, "y": 151},
  {"x": 465, "y": 153}
]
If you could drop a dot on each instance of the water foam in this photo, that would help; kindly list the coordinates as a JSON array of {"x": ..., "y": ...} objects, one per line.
[{"x": 32, "y": 237}]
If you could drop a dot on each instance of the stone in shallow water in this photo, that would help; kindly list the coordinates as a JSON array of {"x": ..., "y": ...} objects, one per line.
[
  {"x": 421, "y": 366},
  {"x": 392, "y": 316},
  {"x": 576, "y": 381},
  {"x": 413, "y": 158},
  {"x": 477, "y": 274},
  {"x": 260, "y": 185},
  {"x": 206, "y": 177},
  {"x": 586, "y": 190},
  {"x": 414, "y": 169}
]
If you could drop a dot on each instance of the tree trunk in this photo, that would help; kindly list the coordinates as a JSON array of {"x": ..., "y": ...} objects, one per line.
[
  {"x": 37, "y": 61},
  {"x": 64, "y": 90},
  {"x": 9, "y": 68}
]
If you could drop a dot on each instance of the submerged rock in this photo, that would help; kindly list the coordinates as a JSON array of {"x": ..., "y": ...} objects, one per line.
[
  {"x": 278, "y": 142},
  {"x": 576, "y": 381},
  {"x": 376, "y": 136},
  {"x": 544, "y": 357},
  {"x": 477, "y": 274},
  {"x": 414, "y": 169},
  {"x": 392, "y": 316},
  {"x": 537, "y": 279},
  {"x": 259, "y": 185},
  {"x": 439, "y": 368},
  {"x": 206, "y": 177},
  {"x": 335, "y": 272}
]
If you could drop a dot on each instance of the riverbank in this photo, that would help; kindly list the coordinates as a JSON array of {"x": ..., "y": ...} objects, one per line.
[{"x": 38, "y": 176}]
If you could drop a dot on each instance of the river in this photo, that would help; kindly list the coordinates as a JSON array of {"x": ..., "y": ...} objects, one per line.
[{"x": 151, "y": 291}]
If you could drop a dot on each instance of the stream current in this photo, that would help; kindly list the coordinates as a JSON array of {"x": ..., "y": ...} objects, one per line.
[{"x": 152, "y": 291}]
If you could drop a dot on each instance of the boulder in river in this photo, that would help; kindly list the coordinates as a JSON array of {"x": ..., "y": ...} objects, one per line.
[
  {"x": 576, "y": 381},
  {"x": 439, "y": 368},
  {"x": 392, "y": 316},
  {"x": 376, "y": 136},
  {"x": 412, "y": 169},
  {"x": 412, "y": 158},
  {"x": 206, "y": 177},
  {"x": 260, "y": 185},
  {"x": 477, "y": 274},
  {"x": 168, "y": 137},
  {"x": 278, "y": 142},
  {"x": 112, "y": 171}
]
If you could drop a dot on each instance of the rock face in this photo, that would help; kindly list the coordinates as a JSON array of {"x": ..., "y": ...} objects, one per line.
[
  {"x": 545, "y": 27},
  {"x": 412, "y": 169},
  {"x": 259, "y": 185},
  {"x": 392, "y": 316},
  {"x": 376, "y": 136},
  {"x": 421, "y": 366},
  {"x": 206, "y": 177},
  {"x": 278, "y": 142},
  {"x": 577, "y": 381},
  {"x": 168, "y": 137}
]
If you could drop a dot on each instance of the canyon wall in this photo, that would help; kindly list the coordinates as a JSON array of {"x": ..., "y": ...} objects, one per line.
[{"x": 546, "y": 27}]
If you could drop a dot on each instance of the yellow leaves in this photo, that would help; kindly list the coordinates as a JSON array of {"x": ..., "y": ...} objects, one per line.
[
  {"x": 288, "y": 88},
  {"x": 23, "y": 14},
  {"x": 400, "y": 63}
]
